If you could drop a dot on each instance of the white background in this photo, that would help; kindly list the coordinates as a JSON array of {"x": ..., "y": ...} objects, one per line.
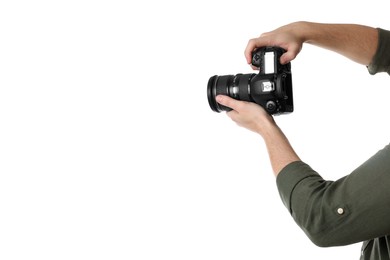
[{"x": 108, "y": 147}]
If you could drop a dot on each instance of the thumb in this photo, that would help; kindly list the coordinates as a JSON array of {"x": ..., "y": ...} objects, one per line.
[
  {"x": 287, "y": 57},
  {"x": 290, "y": 54},
  {"x": 227, "y": 101}
]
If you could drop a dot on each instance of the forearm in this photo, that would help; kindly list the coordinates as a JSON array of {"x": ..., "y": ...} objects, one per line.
[
  {"x": 356, "y": 42},
  {"x": 279, "y": 148}
]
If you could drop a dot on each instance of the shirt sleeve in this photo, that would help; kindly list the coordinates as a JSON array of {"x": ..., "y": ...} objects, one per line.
[
  {"x": 334, "y": 213},
  {"x": 381, "y": 59}
]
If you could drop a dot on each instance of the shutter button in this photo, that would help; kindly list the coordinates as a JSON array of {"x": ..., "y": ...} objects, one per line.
[{"x": 340, "y": 211}]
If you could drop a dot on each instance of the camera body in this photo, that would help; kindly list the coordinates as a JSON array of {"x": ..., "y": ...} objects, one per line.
[{"x": 271, "y": 88}]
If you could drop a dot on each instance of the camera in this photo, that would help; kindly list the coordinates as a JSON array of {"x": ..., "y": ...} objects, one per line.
[{"x": 271, "y": 88}]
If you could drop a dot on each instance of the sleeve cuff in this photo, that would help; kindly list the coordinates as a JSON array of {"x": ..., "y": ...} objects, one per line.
[
  {"x": 289, "y": 177},
  {"x": 381, "y": 59}
]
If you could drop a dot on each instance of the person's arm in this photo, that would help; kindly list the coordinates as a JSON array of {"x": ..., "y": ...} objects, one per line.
[
  {"x": 352, "y": 209},
  {"x": 256, "y": 119},
  {"x": 356, "y": 42},
  {"x": 331, "y": 213}
]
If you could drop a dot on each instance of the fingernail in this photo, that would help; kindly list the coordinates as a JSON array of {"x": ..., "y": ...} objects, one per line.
[{"x": 219, "y": 99}]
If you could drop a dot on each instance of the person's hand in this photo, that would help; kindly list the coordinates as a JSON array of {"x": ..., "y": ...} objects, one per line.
[
  {"x": 247, "y": 114},
  {"x": 287, "y": 37}
]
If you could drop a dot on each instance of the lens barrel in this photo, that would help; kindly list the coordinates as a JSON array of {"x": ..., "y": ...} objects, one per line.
[{"x": 234, "y": 86}]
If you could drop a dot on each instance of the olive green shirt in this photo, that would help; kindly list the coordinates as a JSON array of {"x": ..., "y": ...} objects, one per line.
[
  {"x": 352, "y": 209},
  {"x": 381, "y": 59}
]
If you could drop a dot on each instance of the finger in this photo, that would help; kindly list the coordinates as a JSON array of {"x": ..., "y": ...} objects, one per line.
[
  {"x": 290, "y": 54},
  {"x": 252, "y": 44},
  {"x": 227, "y": 101},
  {"x": 248, "y": 50},
  {"x": 287, "y": 57},
  {"x": 233, "y": 115}
]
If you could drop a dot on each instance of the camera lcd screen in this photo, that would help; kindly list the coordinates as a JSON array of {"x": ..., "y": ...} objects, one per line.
[{"x": 269, "y": 62}]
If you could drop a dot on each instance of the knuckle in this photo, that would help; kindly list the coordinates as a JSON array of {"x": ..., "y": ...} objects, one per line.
[{"x": 252, "y": 43}]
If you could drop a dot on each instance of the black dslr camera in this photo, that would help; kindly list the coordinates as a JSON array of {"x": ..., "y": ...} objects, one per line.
[{"x": 271, "y": 88}]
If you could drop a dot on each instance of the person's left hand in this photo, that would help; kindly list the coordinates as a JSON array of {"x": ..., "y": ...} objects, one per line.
[{"x": 247, "y": 114}]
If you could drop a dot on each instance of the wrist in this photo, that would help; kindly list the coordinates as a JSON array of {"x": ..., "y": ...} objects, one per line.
[
  {"x": 267, "y": 127},
  {"x": 304, "y": 31}
]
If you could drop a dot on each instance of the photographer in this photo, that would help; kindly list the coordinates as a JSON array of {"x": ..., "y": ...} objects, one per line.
[{"x": 356, "y": 207}]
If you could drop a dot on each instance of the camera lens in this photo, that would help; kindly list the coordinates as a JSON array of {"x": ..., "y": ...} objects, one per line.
[
  {"x": 234, "y": 86},
  {"x": 218, "y": 85}
]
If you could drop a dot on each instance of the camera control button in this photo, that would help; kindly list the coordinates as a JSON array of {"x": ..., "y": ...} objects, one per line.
[{"x": 270, "y": 106}]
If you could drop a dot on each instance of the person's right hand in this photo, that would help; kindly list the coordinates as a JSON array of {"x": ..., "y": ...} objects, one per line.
[{"x": 286, "y": 37}]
